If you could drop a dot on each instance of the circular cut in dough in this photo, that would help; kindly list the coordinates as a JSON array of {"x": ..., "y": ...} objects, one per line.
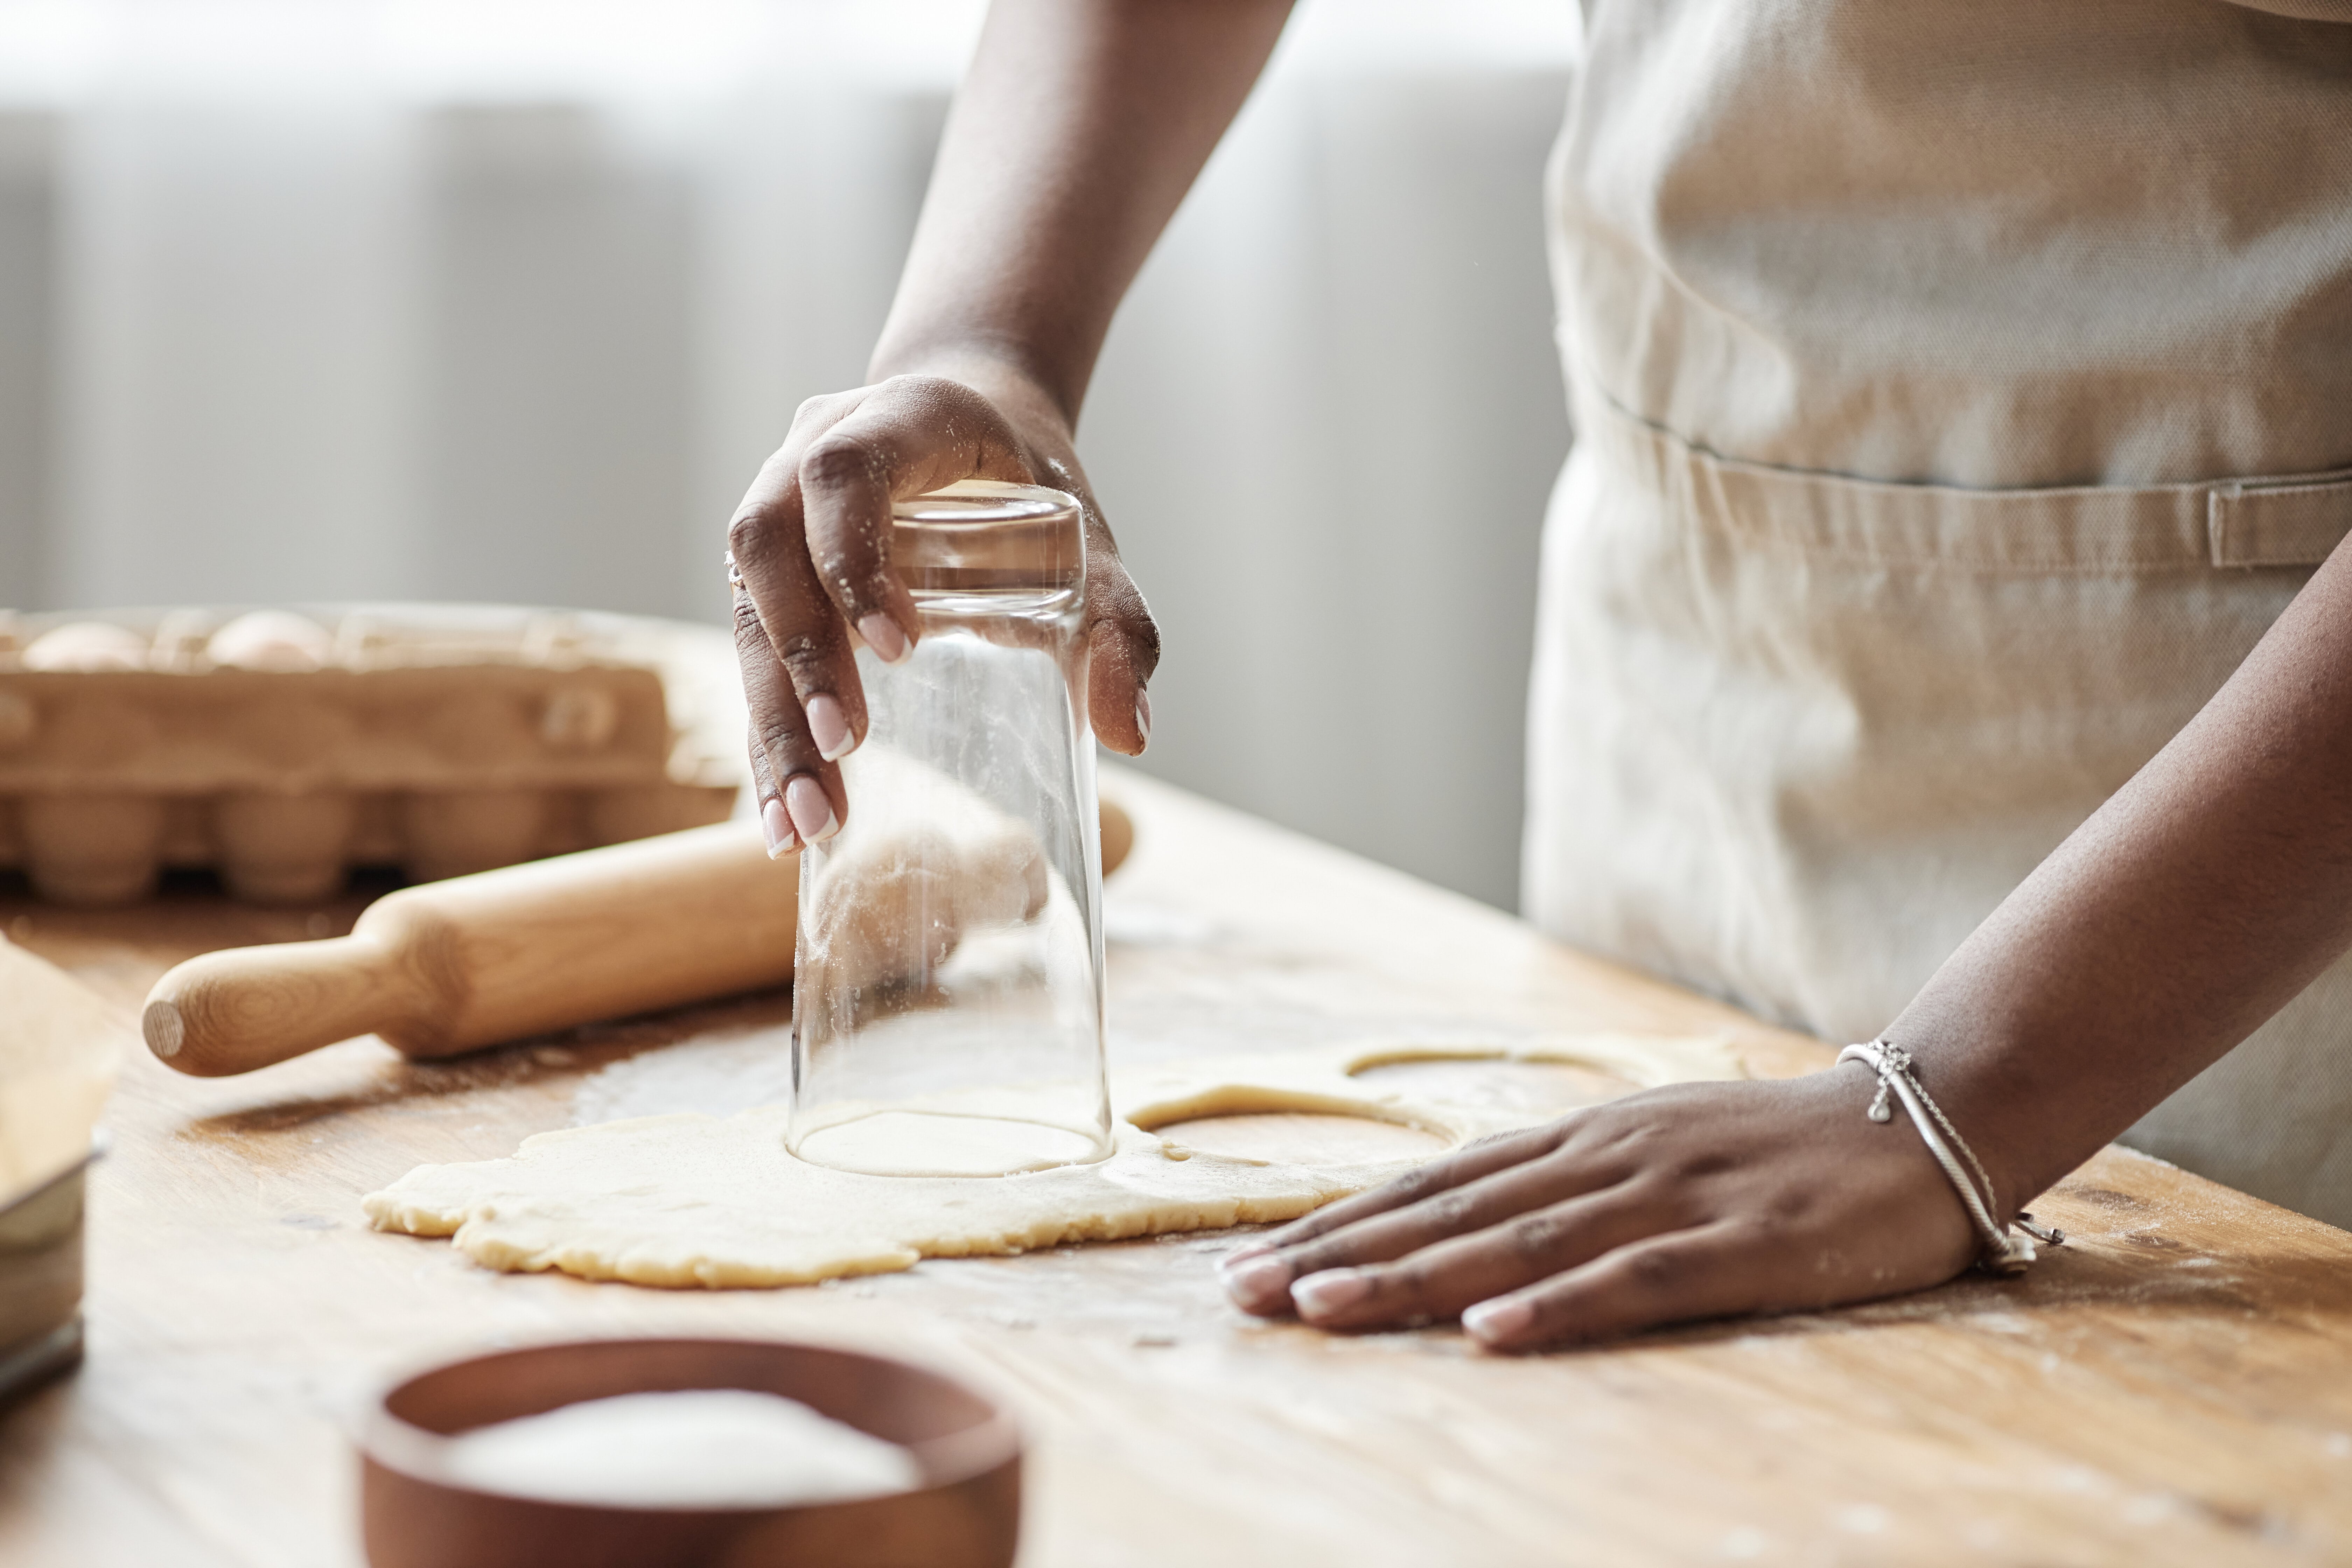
[{"x": 1303, "y": 1138}]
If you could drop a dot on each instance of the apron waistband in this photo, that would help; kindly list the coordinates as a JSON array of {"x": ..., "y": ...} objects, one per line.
[{"x": 2293, "y": 520}]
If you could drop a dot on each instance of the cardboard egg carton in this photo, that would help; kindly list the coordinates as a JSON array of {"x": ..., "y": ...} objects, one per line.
[{"x": 285, "y": 746}]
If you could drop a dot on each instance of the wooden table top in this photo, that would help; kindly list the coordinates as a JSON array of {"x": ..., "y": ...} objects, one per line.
[{"x": 2173, "y": 1385}]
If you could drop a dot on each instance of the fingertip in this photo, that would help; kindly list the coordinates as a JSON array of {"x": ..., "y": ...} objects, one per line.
[
  {"x": 1330, "y": 1294},
  {"x": 828, "y": 727},
  {"x": 810, "y": 810},
  {"x": 1260, "y": 1284},
  {"x": 776, "y": 828},
  {"x": 1502, "y": 1323},
  {"x": 884, "y": 636},
  {"x": 1124, "y": 728}
]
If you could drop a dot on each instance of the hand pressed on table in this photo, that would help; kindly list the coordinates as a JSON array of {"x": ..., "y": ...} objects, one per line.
[
  {"x": 812, "y": 544},
  {"x": 2195, "y": 903},
  {"x": 1694, "y": 1201}
]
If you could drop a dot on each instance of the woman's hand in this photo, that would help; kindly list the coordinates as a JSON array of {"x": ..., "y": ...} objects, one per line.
[
  {"x": 812, "y": 544},
  {"x": 1076, "y": 131},
  {"x": 1700, "y": 1200}
]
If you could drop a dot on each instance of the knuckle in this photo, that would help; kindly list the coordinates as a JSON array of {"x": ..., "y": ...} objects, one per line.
[
  {"x": 805, "y": 657},
  {"x": 1133, "y": 624},
  {"x": 781, "y": 735},
  {"x": 1640, "y": 1133},
  {"x": 1451, "y": 1211},
  {"x": 1654, "y": 1269},
  {"x": 749, "y": 539},
  {"x": 1674, "y": 1201},
  {"x": 1314, "y": 1255},
  {"x": 1786, "y": 1211},
  {"x": 1412, "y": 1184},
  {"x": 1296, "y": 1234},
  {"x": 937, "y": 390},
  {"x": 1402, "y": 1283},
  {"x": 1534, "y": 1236},
  {"x": 838, "y": 463},
  {"x": 1619, "y": 1144},
  {"x": 860, "y": 585}
]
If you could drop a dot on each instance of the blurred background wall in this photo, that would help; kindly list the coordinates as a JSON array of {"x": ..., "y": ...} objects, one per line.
[{"x": 501, "y": 300}]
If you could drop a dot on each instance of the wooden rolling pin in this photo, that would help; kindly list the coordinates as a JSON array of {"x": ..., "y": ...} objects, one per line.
[{"x": 447, "y": 967}]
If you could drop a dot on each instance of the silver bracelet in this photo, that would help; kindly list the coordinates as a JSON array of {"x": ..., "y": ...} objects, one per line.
[{"x": 2005, "y": 1252}]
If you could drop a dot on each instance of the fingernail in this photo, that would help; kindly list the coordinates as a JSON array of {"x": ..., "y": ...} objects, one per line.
[
  {"x": 1491, "y": 1321},
  {"x": 777, "y": 830},
  {"x": 1256, "y": 1282},
  {"x": 1143, "y": 714},
  {"x": 812, "y": 812},
  {"x": 827, "y": 728},
  {"x": 883, "y": 635},
  {"x": 1242, "y": 1253},
  {"x": 1333, "y": 1291}
]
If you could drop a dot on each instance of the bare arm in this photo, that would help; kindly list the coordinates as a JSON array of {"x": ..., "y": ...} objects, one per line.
[
  {"x": 2215, "y": 885},
  {"x": 2195, "y": 903},
  {"x": 1076, "y": 133}
]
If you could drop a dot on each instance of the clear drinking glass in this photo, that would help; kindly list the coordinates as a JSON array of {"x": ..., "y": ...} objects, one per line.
[{"x": 947, "y": 994}]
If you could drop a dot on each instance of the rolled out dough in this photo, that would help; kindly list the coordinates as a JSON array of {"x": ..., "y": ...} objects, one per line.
[{"x": 689, "y": 1200}]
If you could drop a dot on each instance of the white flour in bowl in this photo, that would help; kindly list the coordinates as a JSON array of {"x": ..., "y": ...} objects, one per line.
[{"x": 703, "y": 1448}]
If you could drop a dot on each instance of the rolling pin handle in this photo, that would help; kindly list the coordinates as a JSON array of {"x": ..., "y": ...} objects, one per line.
[{"x": 233, "y": 1011}]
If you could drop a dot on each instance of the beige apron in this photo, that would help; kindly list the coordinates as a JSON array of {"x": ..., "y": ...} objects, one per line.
[{"x": 1960, "y": 391}]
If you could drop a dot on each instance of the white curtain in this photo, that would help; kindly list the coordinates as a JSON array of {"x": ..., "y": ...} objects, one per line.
[{"x": 339, "y": 299}]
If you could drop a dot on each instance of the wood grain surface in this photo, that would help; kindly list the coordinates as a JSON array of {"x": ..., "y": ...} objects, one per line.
[{"x": 2175, "y": 1385}]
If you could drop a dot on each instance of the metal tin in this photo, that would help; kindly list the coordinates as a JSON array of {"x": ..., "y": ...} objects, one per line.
[{"x": 40, "y": 1282}]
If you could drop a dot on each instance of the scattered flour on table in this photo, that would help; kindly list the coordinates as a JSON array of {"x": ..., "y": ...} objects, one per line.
[
  {"x": 703, "y": 1448},
  {"x": 716, "y": 1077},
  {"x": 1127, "y": 924}
]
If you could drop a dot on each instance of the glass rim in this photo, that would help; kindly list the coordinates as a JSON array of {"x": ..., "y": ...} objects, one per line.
[{"x": 984, "y": 503}]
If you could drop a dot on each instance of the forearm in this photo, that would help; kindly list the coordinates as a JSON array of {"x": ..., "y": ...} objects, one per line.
[
  {"x": 2212, "y": 888},
  {"x": 1078, "y": 130}
]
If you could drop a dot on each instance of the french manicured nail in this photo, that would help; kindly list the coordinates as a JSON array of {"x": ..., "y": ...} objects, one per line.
[
  {"x": 812, "y": 812},
  {"x": 776, "y": 828},
  {"x": 1490, "y": 1321},
  {"x": 1143, "y": 714},
  {"x": 883, "y": 635},
  {"x": 1256, "y": 1282},
  {"x": 827, "y": 728},
  {"x": 1333, "y": 1291}
]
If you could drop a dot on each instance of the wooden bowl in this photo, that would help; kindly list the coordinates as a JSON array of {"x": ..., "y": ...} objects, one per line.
[{"x": 967, "y": 1513}]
